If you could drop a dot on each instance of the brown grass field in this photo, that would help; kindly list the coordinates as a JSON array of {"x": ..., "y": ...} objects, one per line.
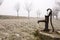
[{"x": 22, "y": 29}]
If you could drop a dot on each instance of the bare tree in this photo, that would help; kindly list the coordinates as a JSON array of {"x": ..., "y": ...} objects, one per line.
[
  {"x": 28, "y": 8},
  {"x": 56, "y": 9},
  {"x": 1, "y": 1},
  {"x": 55, "y": 13},
  {"x": 17, "y": 8},
  {"x": 38, "y": 13}
]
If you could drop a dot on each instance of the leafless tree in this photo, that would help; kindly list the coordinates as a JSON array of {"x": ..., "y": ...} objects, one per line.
[
  {"x": 38, "y": 13},
  {"x": 17, "y": 8},
  {"x": 1, "y": 1},
  {"x": 56, "y": 9},
  {"x": 28, "y": 8},
  {"x": 55, "y": 13}
]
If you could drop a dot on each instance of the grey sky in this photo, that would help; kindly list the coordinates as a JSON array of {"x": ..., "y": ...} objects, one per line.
[{"x": 8, "y": 7}]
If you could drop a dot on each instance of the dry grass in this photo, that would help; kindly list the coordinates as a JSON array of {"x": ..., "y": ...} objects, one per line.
[
  {"x": 20, "y": 29},
  {"x": 17, "y": 29}
]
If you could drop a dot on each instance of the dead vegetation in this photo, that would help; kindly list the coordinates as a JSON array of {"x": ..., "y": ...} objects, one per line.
[
  {"x": 17, "y": 29},
  {"x": 20, "y": 29}
]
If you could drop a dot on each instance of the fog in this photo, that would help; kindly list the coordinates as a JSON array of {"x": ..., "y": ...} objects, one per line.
[{"x": 8, "y": 7}]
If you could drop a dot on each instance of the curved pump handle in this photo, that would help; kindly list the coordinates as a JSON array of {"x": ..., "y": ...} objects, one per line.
[{"x": 50, "y": 14}]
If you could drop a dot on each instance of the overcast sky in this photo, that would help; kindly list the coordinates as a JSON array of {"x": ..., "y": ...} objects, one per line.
[{"x": 8, "y": 7}]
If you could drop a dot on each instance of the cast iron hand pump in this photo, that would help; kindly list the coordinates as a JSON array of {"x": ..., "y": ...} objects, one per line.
[{"x": 47, "y": 18}]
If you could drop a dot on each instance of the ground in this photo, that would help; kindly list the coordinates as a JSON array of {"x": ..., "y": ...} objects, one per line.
[{"x": 21, "y": 29}]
